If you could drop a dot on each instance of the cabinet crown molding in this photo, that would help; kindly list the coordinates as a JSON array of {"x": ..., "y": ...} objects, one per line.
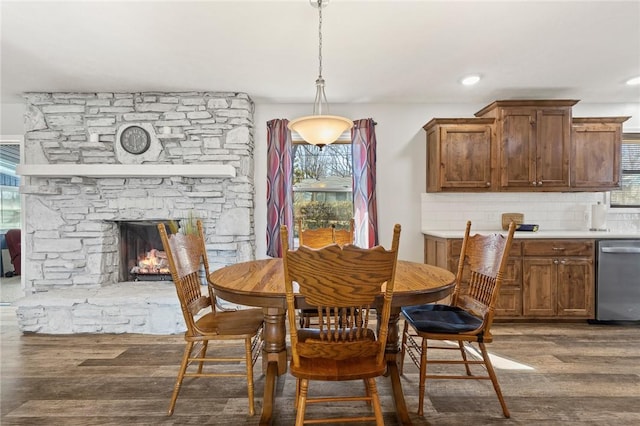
[
  {"x": 527, "y": 103},
  {"x": 444, "y": 121}
]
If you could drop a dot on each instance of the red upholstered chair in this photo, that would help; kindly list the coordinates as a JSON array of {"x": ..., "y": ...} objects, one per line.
[{"x": 12, "y": 238}]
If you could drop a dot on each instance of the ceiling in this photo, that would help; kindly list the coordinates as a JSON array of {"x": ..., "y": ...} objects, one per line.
[{"x": 394, "y": 51}]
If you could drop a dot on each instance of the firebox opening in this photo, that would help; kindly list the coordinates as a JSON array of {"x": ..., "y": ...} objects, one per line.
[{"x": 142, "y": 257}]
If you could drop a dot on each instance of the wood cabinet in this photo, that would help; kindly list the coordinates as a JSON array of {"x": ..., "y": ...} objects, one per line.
[
  {"x": 545, "y": 279},
  {"x": 460, "y": 154},
  {"x": 524, "y": 145},
  {"x": 533, "y": 143},
  {"x": 595, "y": 152},
  {"x": 558, "y": 279}
]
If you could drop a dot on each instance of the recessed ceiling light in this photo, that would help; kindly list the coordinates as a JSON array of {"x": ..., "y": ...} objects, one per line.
[
  {"x": 470, "y": 80},
  {"x": 633, "y": 81}
]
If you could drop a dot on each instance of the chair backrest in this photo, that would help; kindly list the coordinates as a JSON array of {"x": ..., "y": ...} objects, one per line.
[
  {"x": 186, "y": 255},
  {"x": 343, "y": 282},
  {"x": 344, "y": 236},
  {"x": 315, "y": 238},
  {"x": 321, "y": 237},
  {"x": 483, "y": 259}
]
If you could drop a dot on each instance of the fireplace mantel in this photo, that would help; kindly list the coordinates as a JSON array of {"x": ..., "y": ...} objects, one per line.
[{"x": 125, "y": 170}]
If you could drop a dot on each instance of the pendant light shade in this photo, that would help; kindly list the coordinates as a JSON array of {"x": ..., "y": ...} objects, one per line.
[{"x": 320, "y": 128}]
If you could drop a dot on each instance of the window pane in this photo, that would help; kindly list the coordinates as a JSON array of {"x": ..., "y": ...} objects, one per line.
[
  {"x": 9, "y": 183},
  {"x": 629, "y": 193},
  {"x": 630, "y": 158},
  {"x": 322, "y": 185},
  {"x": 9, "y": 208}
]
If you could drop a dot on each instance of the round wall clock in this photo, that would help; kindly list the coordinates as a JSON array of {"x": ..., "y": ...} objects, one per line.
[{"x": 135, "y": 140}]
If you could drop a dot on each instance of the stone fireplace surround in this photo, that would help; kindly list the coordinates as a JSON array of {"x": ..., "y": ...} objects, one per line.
[{"x": 77, "y": 186}]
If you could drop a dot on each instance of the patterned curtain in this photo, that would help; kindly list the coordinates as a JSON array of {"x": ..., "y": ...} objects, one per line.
[
  {"x": 279, "y": 184},
  {"x": 363, "y": 146}
]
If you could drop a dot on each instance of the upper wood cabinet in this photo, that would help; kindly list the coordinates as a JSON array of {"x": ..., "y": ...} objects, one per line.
[
  {"x": 534, "y": 139},
  {"x": 595, "y": 153},
  {"x": 524, "y": 145},
  {"x": 460, "y": 154}
]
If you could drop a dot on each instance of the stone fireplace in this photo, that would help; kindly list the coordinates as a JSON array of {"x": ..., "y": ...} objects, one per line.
[{"x": 80, "y": 186}]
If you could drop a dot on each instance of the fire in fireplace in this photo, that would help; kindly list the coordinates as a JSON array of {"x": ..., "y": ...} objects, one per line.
[
  {"x": 141, "y": 255},
  {"x": 152, "y": 262}
]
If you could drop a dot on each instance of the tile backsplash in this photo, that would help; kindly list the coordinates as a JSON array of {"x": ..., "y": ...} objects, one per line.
[{"x": 551, "y": 210}]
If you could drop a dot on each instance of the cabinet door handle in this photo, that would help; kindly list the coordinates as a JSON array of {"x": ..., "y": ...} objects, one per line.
[
  {"x": 563, "y": 261},
  {"x": 540, "y": 182},
  {"x": 534, "y": 183},
  {"x": 488, "y": 184},
  {"x": 558, "y": 248},
  {"x": 555, "y": 262}
]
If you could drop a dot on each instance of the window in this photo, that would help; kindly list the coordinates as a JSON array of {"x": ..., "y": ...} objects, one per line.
[
  {"x": 9, "y": 183},
  {"x": 629, "y": 193},
  {"x": 322, "y": 185}
]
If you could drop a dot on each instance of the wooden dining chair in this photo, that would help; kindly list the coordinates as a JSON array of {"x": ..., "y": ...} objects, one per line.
[
  {"x": 344, "y": 236},
  {"x": 316, "y": 238},
  {"x": 466, "y": 319},
  {"x": 187, "y": 257},
  {"x": 344, "y": 283}
]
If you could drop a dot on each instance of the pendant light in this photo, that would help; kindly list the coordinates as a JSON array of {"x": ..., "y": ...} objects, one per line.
[{"x": 320, "y": 129}]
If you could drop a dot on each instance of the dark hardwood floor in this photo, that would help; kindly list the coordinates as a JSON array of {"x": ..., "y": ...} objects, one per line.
[{"x": 551, "y": 374}]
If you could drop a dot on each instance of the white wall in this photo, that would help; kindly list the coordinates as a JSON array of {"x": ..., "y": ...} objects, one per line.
[
  {"x": 12, "y": 119},
  {"x": 401, "y": 159},
  {"x": 401, "y": 156}
]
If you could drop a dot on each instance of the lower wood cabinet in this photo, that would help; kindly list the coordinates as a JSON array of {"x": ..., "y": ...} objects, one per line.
[
  {"x": 558, "y": 279},
  {"x": 545, "y": 279}
]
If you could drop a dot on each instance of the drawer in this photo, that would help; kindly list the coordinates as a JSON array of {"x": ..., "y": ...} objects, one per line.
[
  {"x": 455, "y": 246},
  {"x": 558, "y": 247}
]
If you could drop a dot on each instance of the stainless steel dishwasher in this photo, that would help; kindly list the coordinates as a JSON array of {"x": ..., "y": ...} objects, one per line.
[{"x": 618, "y": 280}]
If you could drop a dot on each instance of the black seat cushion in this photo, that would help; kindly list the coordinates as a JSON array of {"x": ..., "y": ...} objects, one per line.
[{"x": 440, "y": 319}]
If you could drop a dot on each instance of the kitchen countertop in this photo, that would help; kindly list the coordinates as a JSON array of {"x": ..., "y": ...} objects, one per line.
[{"x": 595, "y": 235}]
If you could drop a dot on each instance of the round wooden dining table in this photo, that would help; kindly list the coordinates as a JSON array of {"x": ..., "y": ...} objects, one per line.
[{"x": 261, "y": 283}]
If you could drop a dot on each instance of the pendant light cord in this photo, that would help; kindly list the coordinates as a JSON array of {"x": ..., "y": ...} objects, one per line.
[
  {"x": 320, "y": 38},
  {"x": 321, "y": 128}
]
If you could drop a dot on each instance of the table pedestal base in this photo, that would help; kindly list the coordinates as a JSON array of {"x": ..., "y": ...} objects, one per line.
[{"x": 274, "y": 358}]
